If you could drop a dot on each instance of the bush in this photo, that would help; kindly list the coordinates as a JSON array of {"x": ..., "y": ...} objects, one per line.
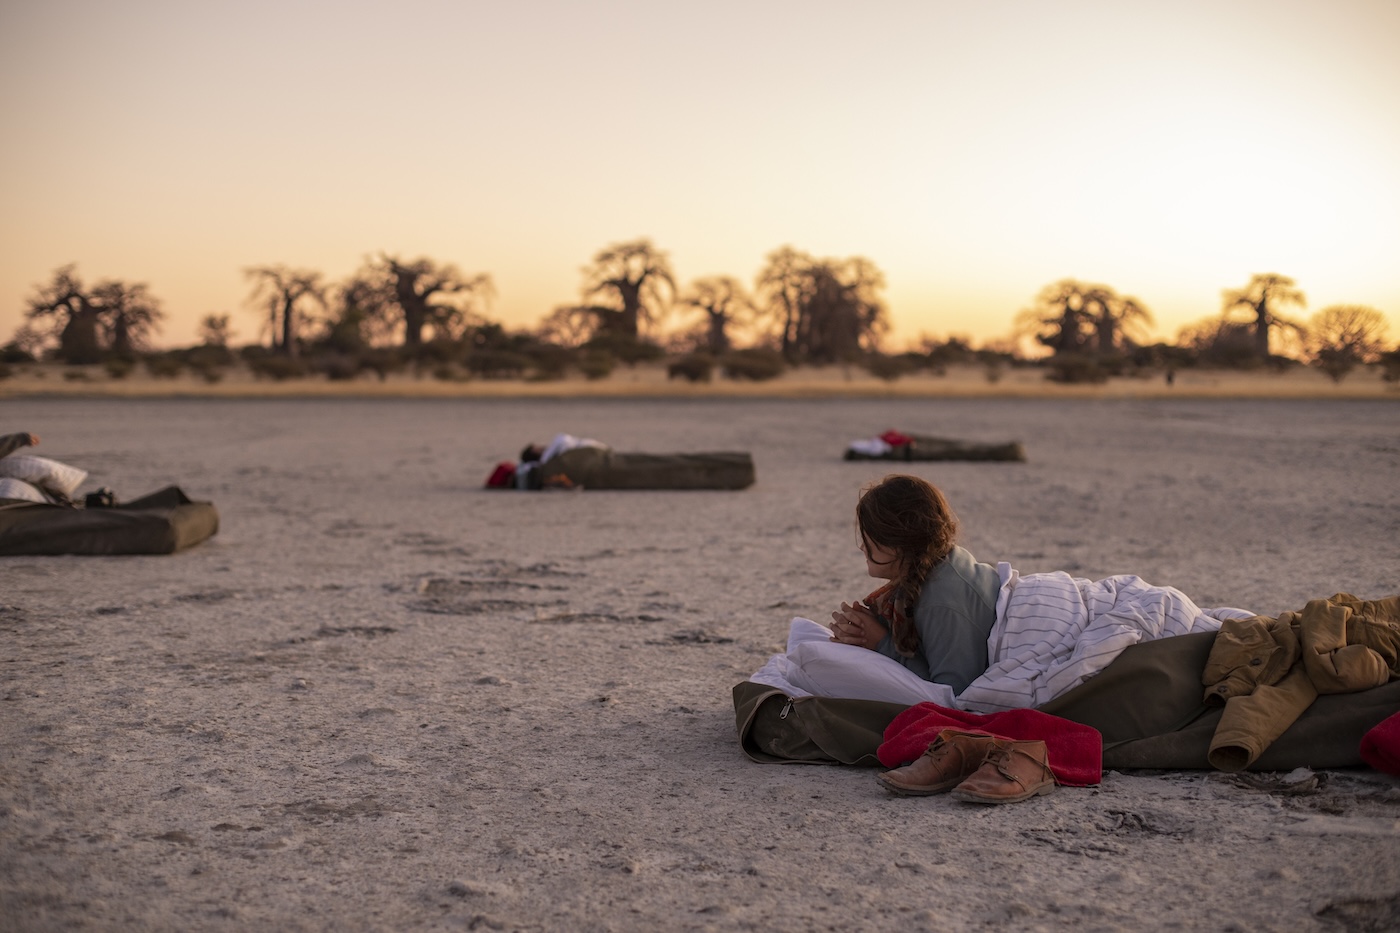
[
  {"x": 119, "y": 367},
  {"x": 450, "y": 372},
  {"x": 629, "y": 350},
  {"x": 254, "y": 352},
  {"x": 210, "y": 374},
  {"x": 278, "y": 368},
  {"x": 1390, "y": 365},
  {"x": 382, "y": 361},
  {"x": 497, "y": 364},
  {"x": 76, "y": 375},
  {"x": 597, "y": 364},
  {"x": 550, "y": 361},
  {"x": 337, "y": 367},
  {"x": 12, "y": 352},
  {"x": 440, "y": 351},
  {"x": 693, "y": 367},
  {"x": 208, "y": 354},
  {"x": 1075, "y": 368},
  {"x": 164, "y": 366},
  {"x": 888, "y": 368},
  {"x": 6, "y": 371},
  {"x": 756, "y": 364}
]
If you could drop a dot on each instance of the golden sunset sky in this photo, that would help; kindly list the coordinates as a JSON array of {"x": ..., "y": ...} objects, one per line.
[{"x": 975, "y": 151}]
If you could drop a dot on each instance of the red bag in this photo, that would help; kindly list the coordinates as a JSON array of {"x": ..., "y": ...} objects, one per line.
[
  {"x": 503, "y": 477},
  {"x": 895, "y": 439}
]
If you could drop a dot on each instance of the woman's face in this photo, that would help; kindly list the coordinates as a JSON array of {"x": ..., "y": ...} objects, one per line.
[{"x": 880, "y": 562}]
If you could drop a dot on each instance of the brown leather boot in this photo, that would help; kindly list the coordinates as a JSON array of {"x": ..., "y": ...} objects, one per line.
[
  {"x": 1012, "y": 771},
  {"x": 951, "y": 757}
]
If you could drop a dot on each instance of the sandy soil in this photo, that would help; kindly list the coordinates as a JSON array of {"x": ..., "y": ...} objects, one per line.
[{"x": 382, "y": 698}]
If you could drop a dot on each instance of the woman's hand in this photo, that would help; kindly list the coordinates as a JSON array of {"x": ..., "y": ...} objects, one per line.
[{"x": 856, "y": 625}]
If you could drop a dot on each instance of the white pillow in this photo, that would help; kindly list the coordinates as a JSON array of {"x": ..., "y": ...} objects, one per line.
[
  {"x": 43, "y": 472},
  {"x": 19, "y": 489},
  {"x": 816, "y": 665}
]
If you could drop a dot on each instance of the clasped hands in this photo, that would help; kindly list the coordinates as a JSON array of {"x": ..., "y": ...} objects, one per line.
[{"x": 857, "y": 625}]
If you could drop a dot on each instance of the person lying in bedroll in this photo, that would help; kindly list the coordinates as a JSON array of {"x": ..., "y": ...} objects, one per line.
[
  {"x": 27, "y": 478},
  {"x": 569, "y": 462},
  {"x": 897, "y": 445}
]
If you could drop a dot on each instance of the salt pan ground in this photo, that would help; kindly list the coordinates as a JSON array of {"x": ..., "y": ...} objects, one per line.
[{"x": 383, "y": 698}]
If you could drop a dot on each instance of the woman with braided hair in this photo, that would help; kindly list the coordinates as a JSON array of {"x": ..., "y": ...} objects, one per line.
[{"x": 938, "y": 608}]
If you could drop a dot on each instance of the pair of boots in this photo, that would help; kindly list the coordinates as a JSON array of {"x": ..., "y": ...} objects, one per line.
[{"x": 975, "y": 767}]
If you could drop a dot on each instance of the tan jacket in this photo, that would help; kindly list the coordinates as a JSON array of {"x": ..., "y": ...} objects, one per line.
[{"x": 1267, "y": 671}]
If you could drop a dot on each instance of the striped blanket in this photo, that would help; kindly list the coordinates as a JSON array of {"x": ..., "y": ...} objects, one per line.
[
  {"x": 1053, "y": 632},
  {"x": 1056, "y": 631}
]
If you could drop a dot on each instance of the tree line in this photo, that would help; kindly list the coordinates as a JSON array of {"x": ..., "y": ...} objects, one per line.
[{"x": 393, "y": 313}]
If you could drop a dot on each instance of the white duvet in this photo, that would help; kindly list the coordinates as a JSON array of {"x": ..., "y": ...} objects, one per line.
[{"x": 1052, "y": 632}]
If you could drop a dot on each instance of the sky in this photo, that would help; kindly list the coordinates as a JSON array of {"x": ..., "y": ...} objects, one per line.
[{"x": 975, "y": 152}]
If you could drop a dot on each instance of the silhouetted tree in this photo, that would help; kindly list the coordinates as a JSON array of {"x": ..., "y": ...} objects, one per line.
[
  {"x": 287, "y": 294},
  {"x": 125, "y": 315},
  {"x": 215, "y": 330},
  {"x": 1262, "y": 298},
  {"x": 76, "y": 318},
  {"x": 1118, "y": 318},
  {"x": 784, "y": 286},
  {"x": 1070, "y": 316},
  {"x": 827, "y": 310},
  {"x": 1340, "y": 337},
  {"x": 1059, "y": 319},
  {"x": 636, "y": 280},
  {"x": 129, "y": 315},
  {"x": 1216, "y": 341},
  {"x": 429, "y": 296},
  {"x": 569, "y": 325},
  {"x": 363, "y": 312},
  {"x": 724, "y": 301}
]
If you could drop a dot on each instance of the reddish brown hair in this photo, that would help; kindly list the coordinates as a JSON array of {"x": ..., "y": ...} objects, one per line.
[{"x": 910, "y": 517}]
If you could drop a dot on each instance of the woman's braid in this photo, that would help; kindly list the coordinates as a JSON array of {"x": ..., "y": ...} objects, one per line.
[{"x": 910, "y": 517}]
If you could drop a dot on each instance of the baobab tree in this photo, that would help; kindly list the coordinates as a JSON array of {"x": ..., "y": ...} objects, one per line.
[
  {"x": 1262, "y": 298},
  {"x": 783, "y": 286},
  {"x": 287, "y": 295},
  {"x": 1070, "y": 316},
  {"x": 635, "y": 284},
  {"x": 125, "y": 315},
  {"x": 76, "y": 317},
  {"x": 434, "y": 296},
  {"x": 824, "y": 310},
  {"x": 129, "y": 315},
  {"x": 1118, "y": 319},
  {"x": 724, "y": 302},
  {"x": 1341, "y": 337}
]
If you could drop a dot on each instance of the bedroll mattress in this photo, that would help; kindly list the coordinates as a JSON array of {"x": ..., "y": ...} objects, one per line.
[{"x": 160, "y": 523}]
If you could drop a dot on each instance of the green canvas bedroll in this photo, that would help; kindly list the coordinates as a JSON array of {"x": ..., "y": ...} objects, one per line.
[
  {"x": 1148, "y": 705},
  {"x": 926, "y": 447},
  {"x": 603, "y": 468},
  {"x": 160, "y": 523}
]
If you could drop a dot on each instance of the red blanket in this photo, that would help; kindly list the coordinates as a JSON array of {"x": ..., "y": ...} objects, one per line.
[
  {"x": 1380, "y": 748},
  {"x": 1075, "y": 750}
]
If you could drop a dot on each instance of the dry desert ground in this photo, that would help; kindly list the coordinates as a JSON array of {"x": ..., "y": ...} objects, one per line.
[{"x": 383, "y": 698}]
